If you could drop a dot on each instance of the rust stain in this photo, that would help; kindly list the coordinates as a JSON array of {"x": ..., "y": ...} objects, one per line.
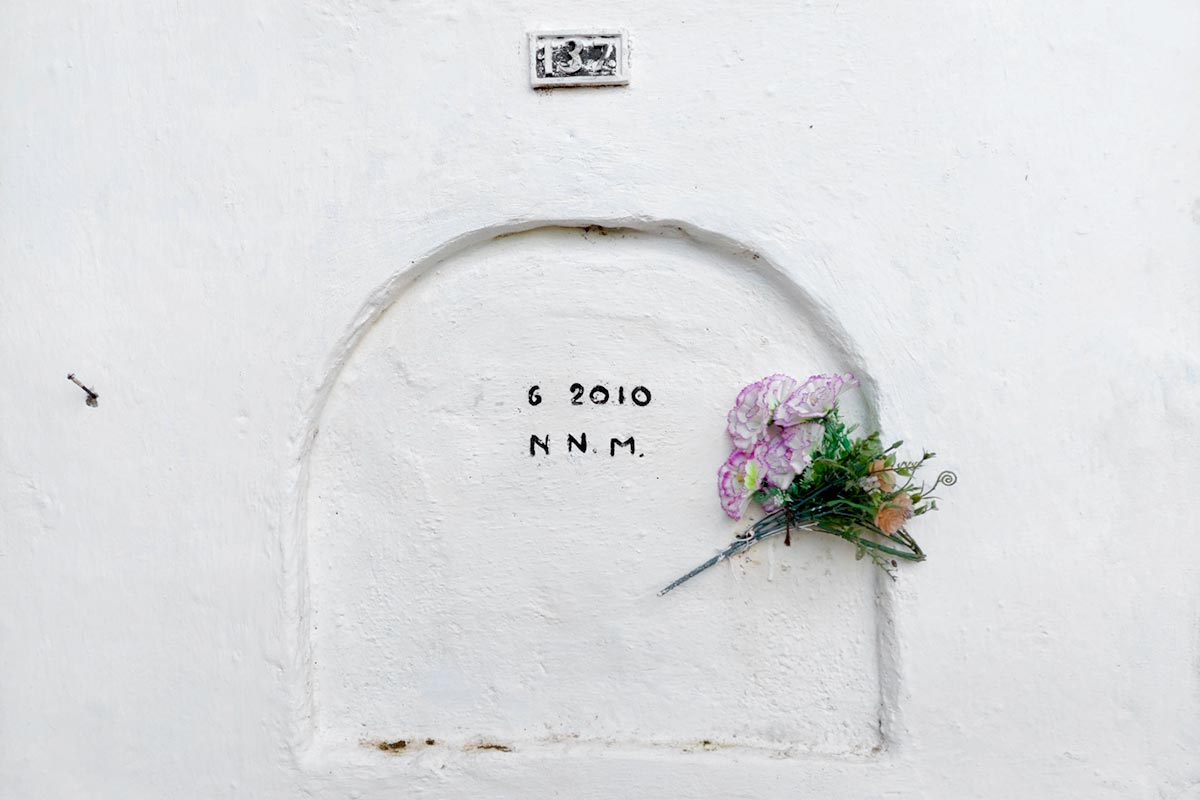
[{"x": 400, "y": 745}]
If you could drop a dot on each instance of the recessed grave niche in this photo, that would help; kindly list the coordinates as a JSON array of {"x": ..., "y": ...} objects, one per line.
[{"x": 517, "y": 455}]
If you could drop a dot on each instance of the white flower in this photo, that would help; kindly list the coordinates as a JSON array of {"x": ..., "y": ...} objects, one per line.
[
  {"x": 747, "y": 420},
  {"x": 814, "y": 399}
]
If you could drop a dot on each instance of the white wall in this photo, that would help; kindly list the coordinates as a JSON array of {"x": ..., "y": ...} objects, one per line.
[{"x": 207, "y": 213}]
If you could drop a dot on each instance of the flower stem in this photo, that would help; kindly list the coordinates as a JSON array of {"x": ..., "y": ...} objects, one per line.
[
  {"x": 765, "y": 528},
  {"x": 783, "y": 521}
]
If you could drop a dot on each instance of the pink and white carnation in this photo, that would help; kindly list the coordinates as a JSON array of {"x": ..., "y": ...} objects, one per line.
[
  {"x": 755, "y": 408},
  {"x": 776, "y": 389},
  {"x": 777, "y": 458},
  {"x": 739, "y": 478},
  {"x": 747, "y": 420},
  {"x": 801, "y": 441},
  {"x": 789, "y": 451},
  {"x": 775, "y": 426},
  {"x": 814, "y": 399}
]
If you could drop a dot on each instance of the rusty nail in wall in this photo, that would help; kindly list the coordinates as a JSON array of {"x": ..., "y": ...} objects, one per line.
[{"x": 92, "y": 397}]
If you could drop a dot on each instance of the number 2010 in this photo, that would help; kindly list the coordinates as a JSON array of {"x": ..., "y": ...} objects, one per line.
[{"x": 599, "y": 395}]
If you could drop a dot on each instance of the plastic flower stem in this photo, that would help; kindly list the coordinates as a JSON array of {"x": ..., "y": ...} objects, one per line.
[
  {"x": 883, "y": 548},
  {"x": 763, "y": 529},
  {"x": 901, "y": 538},
  {"x": 777, "y": 523},
  {"x": 910, "y": 542}
]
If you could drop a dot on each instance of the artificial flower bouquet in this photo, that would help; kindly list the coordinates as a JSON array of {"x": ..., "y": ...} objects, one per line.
[{"x": 793, "y": 455}]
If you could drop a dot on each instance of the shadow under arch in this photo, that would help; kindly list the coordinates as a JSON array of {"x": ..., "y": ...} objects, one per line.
[{"x": 297, "y": 610}]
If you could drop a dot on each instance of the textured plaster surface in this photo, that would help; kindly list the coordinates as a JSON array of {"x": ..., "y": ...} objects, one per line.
[
  {"x": 468, "y": 584},
  {"x": 214, "y": 215}
]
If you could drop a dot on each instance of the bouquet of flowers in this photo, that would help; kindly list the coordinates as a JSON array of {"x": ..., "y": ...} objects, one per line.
[{"x": 793, "y": 455}]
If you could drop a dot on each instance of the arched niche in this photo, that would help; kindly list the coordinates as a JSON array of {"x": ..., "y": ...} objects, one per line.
[{"x": 466, "y": 588}]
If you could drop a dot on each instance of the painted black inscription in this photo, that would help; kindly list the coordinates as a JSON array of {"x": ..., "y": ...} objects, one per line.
[
  {"x": 615, "y": 443},
  {"x": 579, "y": 395},
  {"x": 598, "y": 395}
]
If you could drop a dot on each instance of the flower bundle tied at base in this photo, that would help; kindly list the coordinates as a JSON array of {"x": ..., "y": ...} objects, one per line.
[{"x": 795, "y": 457}]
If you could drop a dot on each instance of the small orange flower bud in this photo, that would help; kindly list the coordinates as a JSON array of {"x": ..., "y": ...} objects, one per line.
[{"x": 892, "y": 515}]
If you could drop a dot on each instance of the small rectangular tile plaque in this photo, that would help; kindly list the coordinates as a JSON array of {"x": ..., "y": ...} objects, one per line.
[{"x": 564, "y": 58}]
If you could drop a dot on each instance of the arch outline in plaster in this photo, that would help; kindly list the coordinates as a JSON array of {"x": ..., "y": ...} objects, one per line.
[{"x": 298, "y": 665}]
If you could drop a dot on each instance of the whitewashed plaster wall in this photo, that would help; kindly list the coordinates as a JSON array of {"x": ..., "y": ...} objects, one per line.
[{"x": 206, "y": 213}]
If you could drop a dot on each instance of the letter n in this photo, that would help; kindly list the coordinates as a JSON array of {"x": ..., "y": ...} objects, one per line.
[
  {"x": 579, "y": 444},
  {"x": 535, "y": 442}
]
